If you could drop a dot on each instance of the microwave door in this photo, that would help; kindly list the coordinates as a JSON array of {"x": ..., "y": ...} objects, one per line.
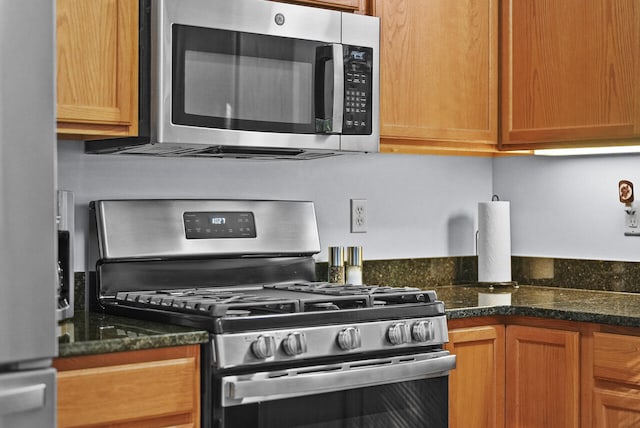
[
  {"x": 236, "y": 88},
  {"x": 329, "y": 89}
]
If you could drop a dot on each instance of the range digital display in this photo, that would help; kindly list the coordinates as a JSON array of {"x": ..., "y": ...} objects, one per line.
[{"x": 216, "y": 225}]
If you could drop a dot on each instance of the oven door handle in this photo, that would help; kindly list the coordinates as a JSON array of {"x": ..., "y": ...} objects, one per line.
[{"x": 320, "y": 379}]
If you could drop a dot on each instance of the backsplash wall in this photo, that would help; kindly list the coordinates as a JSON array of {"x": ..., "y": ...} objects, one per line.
[
  {"x": 418, "y": 206},
  {"x": 568, "y": 207}
]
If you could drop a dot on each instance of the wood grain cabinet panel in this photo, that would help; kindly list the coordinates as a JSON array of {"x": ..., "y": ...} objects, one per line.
[
  {"x": 542, "y": 377},
  {"x": 153, "y": 388},
  {"x": 438, "y": 74},
  {"x": 569, "y": 72},
  {"x": 616, "y": 410},
  {"x": 476, "y": 386},
  {"x": 97, "y": 68},
  {"x": 616, "y": 357},
  {"x": 554, "y": 374},
  {"x": 616, "y": 373},
  {"x": 356, "y": 6}
]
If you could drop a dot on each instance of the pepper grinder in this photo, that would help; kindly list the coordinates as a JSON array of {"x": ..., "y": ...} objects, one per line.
[
  {"x": 336, "y": 265},
  {"x": 354, "y": 265}
]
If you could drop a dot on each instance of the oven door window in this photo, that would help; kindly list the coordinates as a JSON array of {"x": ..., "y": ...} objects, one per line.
[
  {"x": 418, "y": 403},
  {"x": 242, "y": 81}
]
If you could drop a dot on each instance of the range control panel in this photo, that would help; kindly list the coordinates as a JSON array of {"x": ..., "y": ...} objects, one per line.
[{"x": 215, "y": 225}]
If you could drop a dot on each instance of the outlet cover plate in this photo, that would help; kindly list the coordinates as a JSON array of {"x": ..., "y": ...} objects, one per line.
[
  {"x": 631, "y": 227},
  {"x": 359, "y": 216}
]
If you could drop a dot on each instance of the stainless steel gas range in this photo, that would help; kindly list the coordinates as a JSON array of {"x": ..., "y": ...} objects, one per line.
[{"x": 286, "y": 350}]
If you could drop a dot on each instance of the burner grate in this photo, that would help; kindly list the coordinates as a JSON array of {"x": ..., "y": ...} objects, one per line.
[
  {"x": 379, "y": 294},
  {"x": 210, "y": 301},
  {"x": 280, "y": 298}
]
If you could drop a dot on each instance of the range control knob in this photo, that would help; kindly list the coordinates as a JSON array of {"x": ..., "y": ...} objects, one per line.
[
  {"x": 294, "y": 344},
  {"x": 399, "y": 333},
  {"x": 349, "y": 339},
  {"x": 263, "y": 347},
  {"x": 423, "y": 331}
]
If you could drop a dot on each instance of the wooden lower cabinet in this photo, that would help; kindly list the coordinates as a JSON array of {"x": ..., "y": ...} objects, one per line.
[
  {"x": 476, "y": 386},
  {"x": 616, "y": 373},
  {"x": 616, "y": 409},
  {"x": 515, "y": 375},
  {"x": 542, "y": 377},
  {"x": 534, "y": 372},
  {"x": 149, "y": 388}
]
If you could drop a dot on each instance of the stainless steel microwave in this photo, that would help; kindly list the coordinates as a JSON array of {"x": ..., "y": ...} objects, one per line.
[{"x": 247, "y": 78}]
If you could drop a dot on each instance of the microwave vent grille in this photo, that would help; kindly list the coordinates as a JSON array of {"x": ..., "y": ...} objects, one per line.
[{"x": 173, "y": 150}]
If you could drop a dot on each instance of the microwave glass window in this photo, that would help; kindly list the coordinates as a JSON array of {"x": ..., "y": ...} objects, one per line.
[
  {"x": 247, "y": 88},
  {"x": 244, "y": 81}
]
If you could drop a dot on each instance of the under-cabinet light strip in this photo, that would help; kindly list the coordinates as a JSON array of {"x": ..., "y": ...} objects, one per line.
[{"x": 588, "y": 151}]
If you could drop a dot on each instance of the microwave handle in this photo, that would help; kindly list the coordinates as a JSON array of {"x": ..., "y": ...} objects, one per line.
[{"x": 329, "y": 122}]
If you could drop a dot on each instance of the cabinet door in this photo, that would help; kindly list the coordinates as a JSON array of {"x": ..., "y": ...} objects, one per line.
[
  {"x": 438, "y": 74},
  {"x": 97, "y": 67},
  {"x": 476, "y": 386},
  {"x": 542, "y": 372},
  {"x": 569, "y": 72}
]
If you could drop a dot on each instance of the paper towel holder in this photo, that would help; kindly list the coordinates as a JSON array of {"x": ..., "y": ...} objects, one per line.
[{"x": 494, "y": 284}]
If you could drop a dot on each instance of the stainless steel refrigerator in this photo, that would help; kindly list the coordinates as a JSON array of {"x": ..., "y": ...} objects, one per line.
[{"x": 27, "y": 214}]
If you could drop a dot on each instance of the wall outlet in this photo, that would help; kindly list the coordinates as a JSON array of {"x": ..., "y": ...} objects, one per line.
[
  {"x": 358, "y": 215},
  {"x": 631, "y": 227}
]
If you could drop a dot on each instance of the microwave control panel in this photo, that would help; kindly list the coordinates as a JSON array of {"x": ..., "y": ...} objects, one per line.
[{"x": 358, "y": 76}]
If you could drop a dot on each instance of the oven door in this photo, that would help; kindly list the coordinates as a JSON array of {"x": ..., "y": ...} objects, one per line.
[{"x": 401, "y": 391}]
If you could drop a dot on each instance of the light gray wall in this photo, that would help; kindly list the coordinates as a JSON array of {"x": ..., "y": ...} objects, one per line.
[
  {"x": 568, "y": 207},
  {"x": 418, "y": 206}
]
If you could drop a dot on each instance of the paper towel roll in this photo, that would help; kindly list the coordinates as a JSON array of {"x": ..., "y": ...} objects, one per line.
[
  {"x": 494, "y": 299},
  {"x": 494, "y": 242}
]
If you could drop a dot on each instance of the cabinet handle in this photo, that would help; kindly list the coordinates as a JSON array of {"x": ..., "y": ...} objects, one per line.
[{"x": 22, "y": 399}]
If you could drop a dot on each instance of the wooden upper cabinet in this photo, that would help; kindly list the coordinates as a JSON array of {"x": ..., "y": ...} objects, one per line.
[
  {"x": 356, "y": 6},
  {"x": 438, "y": 74},
  {"x": 569, "y": 72},
  {"x": 97, "y": 68}
]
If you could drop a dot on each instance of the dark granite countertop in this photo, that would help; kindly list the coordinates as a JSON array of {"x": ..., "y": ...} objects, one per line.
[
  {"x": 94, "y": 333},
  {"x": 603, "y": 307}
]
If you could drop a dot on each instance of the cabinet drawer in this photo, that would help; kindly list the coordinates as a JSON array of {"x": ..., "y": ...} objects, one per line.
[
  {"x": 616, "y": 409},
  {"x": 129, "y": 393},
  {"x": 616, "y": 357}
]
